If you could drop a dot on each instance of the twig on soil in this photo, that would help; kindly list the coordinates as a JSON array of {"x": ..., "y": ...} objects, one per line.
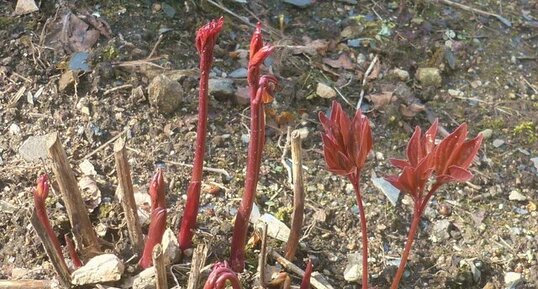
[
  {"x": 298, "y": 196},
  {"x": 139, "y": 63},
  {"x": 207, "y": 169},
  {"x": 55, "y": 257},
  {"x": 284, "y": 153},
  {"x": 290, "y": 266},
  {"x": 76, "y": 210},
  {"x": 198, "y": 260},
  {"x": 161, "y": 36},
  {"x": 125, "y": 194},
  {"x": 108, "y": 91},
  {"x": 262, "y": 258},
  {"x": 474, "y": 10},
  {"x": 160, "y": 269},
  {"x": 106, "y": 143},
  {"x": 365, "y": 79},
  {"x": 25, "y": 284}
]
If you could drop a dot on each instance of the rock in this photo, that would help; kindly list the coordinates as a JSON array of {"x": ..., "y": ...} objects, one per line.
[
  {"x": 239, "y": 73},
  {"x": 455, "y": 92},
  {"x": 515, "y": 195},
  {"x": 242, "y": 96},
  {"x": 325, "y": 91},
  {"x": 145, "y": 280},
  {"x": 512, "y": 279},
  {"x": 387, "y": 189},
  {"x": 99, "y": 269},
  {"x": 221, "y": 88},
  {"x": 401, "y": 74},
  {"x": 165, "y": 94},
  {"x": 34, "y": 148},
  {"x": 429, "y": 76},
  {"x": 14, "y": 129},
  {"x": 487, "y": 133},
  {"x": 275, "y": 228},
  {"x": 25, "y": 7},
  {"x": 498, "y": 142},
  {"x": 170, "y": 247},
  {"x": 353, "y": 271},
  {"x": 535, "y": 162},
  {"x": 440, "y": 231},
  {"x": 67, "y": 80}
]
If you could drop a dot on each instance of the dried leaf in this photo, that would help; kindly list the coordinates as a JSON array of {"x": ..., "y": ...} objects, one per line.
[
  {"x": 381, "y": 99},
  {"x": 343, "y": 61}
]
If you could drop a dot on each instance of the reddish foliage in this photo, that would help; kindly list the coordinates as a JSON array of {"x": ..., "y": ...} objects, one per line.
[
  {"x": 305, "y": 284},
  {"x": 72, "y": 251},
  {"x": 220, "y": 274}
]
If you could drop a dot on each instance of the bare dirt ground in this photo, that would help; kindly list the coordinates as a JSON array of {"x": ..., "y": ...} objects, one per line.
[{"x": 482, "y": 72}]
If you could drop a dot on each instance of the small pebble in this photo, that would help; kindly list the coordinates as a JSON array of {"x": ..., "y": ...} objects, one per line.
[
  {"x": 515, "y": 195},
  {"x": 498, "y": 142},
  {"x": 487, "y": 133}
]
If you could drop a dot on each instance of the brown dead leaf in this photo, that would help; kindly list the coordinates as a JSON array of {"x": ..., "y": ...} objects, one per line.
[
  {"x": 411, "y": 110},
  {"x": 343, "y": 61},
  {"x": 375, "y": 71},
  {"x": 81, "y": 33},
  {"x": 318, "y": 46},
  {"x": 381, "y": 99}
]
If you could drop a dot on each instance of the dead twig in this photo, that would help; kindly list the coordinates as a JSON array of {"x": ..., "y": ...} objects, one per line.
[
  {"x": 207, "y": 169},
  {"x": 262, "y": 258},
  {"x": 106, "y": 144},
  {"x": 477, "y": 11},
  {"x": 72, "y": 197},
  {"x": 298, "y": 196},
  {"x": 365, "y": 79},
  {"x": 198, "y": 260},
  {"x": 108, "y": 91},
  {"x": 125, "y": 194},
  {"x": 161, "y": 36},
  {"x": 160, "y": 268},
  {"x": 25, "y": 284},
  {"x": 290, "y": 266}
]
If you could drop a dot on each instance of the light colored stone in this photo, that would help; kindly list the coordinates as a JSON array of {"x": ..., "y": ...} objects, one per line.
[
  {"x": 515, "y": 195},
  {"x": 145, "y": 280},
  {"x": 99, "y": 269},
  {"x": 391, "y": 192},
  {"x": 275, "y": 228},
  {"x": 34, "y": 148},
  {"x": 170, "y": 247},
  {"x": 487, "y": 133},
  {"x": 325, "y": 91},
  {"x": 165, "y": 94},
  {"x": 67, "y": 80},
  {"x": 25, "y": 7},
  {"x": 440, "y": 231},
  {"x": 498, "y": 142},
  {"x": 14, "y": 129},
  {"x": 401, "y": 74},
  {"x": 221, "y": 88},
  {"x": 512, "y": 279},
  {"x": 429, "y": 76},
  {"x": 353, "y": 271}
]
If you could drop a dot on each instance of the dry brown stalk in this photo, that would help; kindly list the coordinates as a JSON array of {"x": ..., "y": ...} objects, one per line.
[
  {"x": 76, "y": 210},
  {"x": 55, "y": 257},
  {"x": 125, "y": 194},
  {"x": 298, "y": 196},
  {"x": 25, "y": 284},
  {"x": 160, "y": 268},
  {"x": 198, "y": 261}
]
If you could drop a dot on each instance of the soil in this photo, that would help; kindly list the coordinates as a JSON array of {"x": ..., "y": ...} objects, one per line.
[{"x": 488, "y": 79}]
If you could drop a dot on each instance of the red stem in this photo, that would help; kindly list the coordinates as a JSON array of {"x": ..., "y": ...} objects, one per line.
[
  {"x": 354, "y": 178},
  {"x": 190, "y": 213},
  {"x": 418, "y": 210},
  {"x": 72, "y": 252},
  {"x": 239, "y": 237},
  {"x": 305, "y": 283}
]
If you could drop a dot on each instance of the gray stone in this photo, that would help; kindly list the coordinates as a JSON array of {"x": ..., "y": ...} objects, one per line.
[
  {"x": 239, "y": 73},
  {"x": 34, "y": 148},
  {"x": 429, "y": 76},
  {"x": 441, "y": 231},
  {"x": 102, "y": 268},
  {"x": 487, "y": 133},
  {"x": 515, "y": 195},
  {"x": 498, "y": 142},
  {"x": 401, "y": 74},
  {"x": 165, "y": 94},
  {"x": 325, "y": 91},
  {"x": 170, "y": 247},
  {"x": 145, "y": 280},
  {"x": 535, "y": 162},
  {"x": 353, "y": 271},
  {"x": 512, "y": 279},
  {"x": 221, "y": 88}
]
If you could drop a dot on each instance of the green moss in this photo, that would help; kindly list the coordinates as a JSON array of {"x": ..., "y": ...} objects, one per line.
[
  {"x": 104, "y": 211},
  {"x": 526, "y": 130},
  {"x": 492, "y": 123},
  {"x": 5, "y": 21},
  {"x": 110, "y": 53},
  {"x": 284, "y": 213}
]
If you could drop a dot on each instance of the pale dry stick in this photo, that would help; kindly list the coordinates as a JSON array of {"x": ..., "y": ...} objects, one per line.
[
  {"x": 284, "y": 153},
  {"x": 125, "y": 193},
  {"x": 160, "y": 268},
  {"x": 474, "y": 10},
  {"x": 108, "y": 91},
  {"x": 342, "y": 96},
  {"x": 290, "y": 266},
  {"x": 207, "y": 169},
  {"x": 106, "y": 143},
  {"x": 161, "y": 36},
  {"x": 55, "y": 257},
  {"x": 298, "y": 196},
  {"x": 25, "y": 284},
  {"x": 199, "y": 257},
  {"x": 76, "y": 210},
  {"x": 262, "y": 258},
  {"x": 365, "y": 79}
]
